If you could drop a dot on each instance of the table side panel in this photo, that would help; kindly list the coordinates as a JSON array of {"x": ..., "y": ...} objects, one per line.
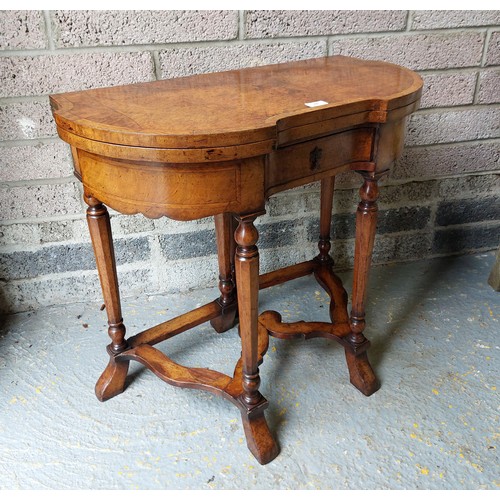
[{"x": 179, "y": 191}]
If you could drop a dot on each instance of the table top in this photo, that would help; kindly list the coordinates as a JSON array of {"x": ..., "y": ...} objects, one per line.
[{"x": 236, "y": 107}]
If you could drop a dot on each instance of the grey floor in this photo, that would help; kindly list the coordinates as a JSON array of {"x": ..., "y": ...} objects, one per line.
[{"x": 434, "y": 424}]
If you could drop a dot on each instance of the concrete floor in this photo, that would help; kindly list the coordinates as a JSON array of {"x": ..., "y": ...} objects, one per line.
[{"x": 434, "y": 424}]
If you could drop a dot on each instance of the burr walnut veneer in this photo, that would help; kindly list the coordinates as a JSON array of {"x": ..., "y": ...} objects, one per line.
[{"x": 219, "y": 145}]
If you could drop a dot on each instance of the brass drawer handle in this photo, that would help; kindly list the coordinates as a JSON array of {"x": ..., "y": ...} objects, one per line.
[{"x": 315, "y": 158}]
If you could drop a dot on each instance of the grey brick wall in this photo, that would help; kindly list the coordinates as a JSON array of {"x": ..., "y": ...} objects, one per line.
[{"x": 441, "y": 198}]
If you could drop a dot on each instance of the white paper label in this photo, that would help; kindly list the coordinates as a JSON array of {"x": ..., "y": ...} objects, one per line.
[{"x": 315, "y": 103}]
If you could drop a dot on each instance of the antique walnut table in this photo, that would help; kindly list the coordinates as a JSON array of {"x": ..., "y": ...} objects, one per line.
[{"x": 219, "y": 145}]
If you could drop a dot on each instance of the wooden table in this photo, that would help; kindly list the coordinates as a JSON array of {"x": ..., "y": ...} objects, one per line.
[{"x": 219, "y": 145}]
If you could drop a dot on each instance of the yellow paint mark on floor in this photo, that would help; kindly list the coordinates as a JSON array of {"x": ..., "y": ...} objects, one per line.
[
  {"x": 435, "y": 391},
  {"x": 413, "y": 435},
  {"x": 18, "y": 399},
  {"x": 423, "y": 470},
  {"x": 415, "y": 425},
  {"x": 477, "y": 467}
]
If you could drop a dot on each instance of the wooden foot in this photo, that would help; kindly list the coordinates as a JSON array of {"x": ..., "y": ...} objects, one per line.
[
  {"x": 227, "y": 319},
  {"x": 225, "y": 226},
  {"x": 112, "y": 381},
  {"x": 260, "y": 441},
  {"x": 361, "y": 373}
]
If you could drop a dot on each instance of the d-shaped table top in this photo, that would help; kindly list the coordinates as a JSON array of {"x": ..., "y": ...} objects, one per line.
[{"x": 232, "y": 108}]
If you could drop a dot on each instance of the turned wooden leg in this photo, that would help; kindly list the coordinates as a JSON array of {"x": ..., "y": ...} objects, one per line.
[
  {"x": 112, "y": 381},
  {"x": 259, "y": 439},
  {"x": 360, "y": 371},
  {"x": 325, "y": 221},
  {"x": 224, "y": 231}
]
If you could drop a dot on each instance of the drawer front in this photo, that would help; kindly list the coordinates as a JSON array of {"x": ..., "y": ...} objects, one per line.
[{"x": 312, "y": 160}]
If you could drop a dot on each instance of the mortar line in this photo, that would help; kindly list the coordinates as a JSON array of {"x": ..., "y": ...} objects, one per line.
[
  {"x": 48, "y": 30},
  {"x": 42, "y": 98},
  {"x": 409, "y": 20},
  {"x": 486, "y": 46},
  {"x": 50, "y": 181},
  {"x": 156, "y": 64},
  {"x": 241, "y": 25},
  {"x": 9, "y": 143},
  {"x": 482, "y": 64},
  {"x": 237, "y": 41},
  {"x": 457, "y": 107},
  {"x": 465, "y": 142}
]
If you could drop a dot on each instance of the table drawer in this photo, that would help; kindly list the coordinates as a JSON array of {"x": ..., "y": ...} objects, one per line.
[{"x": 309, "y": 161}]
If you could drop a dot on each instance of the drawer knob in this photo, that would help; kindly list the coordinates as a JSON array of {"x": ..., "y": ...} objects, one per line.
[{"x": 315, "y": 158}]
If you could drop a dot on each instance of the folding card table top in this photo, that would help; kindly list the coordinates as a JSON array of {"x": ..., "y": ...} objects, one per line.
[{"x": 219, "y": 145}]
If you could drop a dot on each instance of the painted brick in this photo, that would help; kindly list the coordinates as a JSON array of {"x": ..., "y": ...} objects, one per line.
[
  {"x": 417, "y": 51},
  {"x": 405, "y": 194},
  {"x": 56, "y": 231},
  {"x": 288, "y": 203},
  {"x": 347, "y": 180},
  {"x": 124, "y": 27},
  {"x": 439, "y": 161},
  {"x": 17, "y": 234},
  {"x": 469, "y": 187},
  {"x": 131, "y": 249},
  {"x": 389, "y": 221},
  {"x": 130, "y": 224},
  {"x": 188, "y": 245},
  {"x": 33, "y": 234},
  {"x": 342, "y": 252},
  {"x": 81, "y": 230},
  {"x": 47, "y": 74},
  {"x": 40, "y": 161},
  {"x": 346, "y": 200},
  {"x": 401, "y": 247},
  {"x": 402, "y": 219},
  {"x": 456, "y": 240},
  {"x": 26, "y": 120},
  {"x": 435, "y": 19},
  {"x": 277, "y": 234},
  {"x": 493, "y": 52},
  {"x": 453, "y": 126},
  {"x": 166, "y": 225},
  {"x": 448, "y": 89},
  {"x": 39, "y": 201},
  {"x": 63, "y": 258},
  {"x": 466, "y": 211},
  {"x": 281, "y": 23},
  {"x": 489, "y": 87},
  {"x": 387, "y": 248},
  {"x": 192, "y": 60},
  {"x": 270, "y": 259},
  {"x": 26, "y": 295},
  {"x": 22, "y": 29},
  {"x": 182, "y": 275}
]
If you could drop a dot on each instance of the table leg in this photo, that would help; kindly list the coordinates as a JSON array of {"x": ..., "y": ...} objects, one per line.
[
  {"x": 224, "y": 231},
  {"x": 112, "y": 381},
  {"x": 325, "y": 222},
  {"x": 259, "y": 439},
  {"x": 360, "y": 371}
]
